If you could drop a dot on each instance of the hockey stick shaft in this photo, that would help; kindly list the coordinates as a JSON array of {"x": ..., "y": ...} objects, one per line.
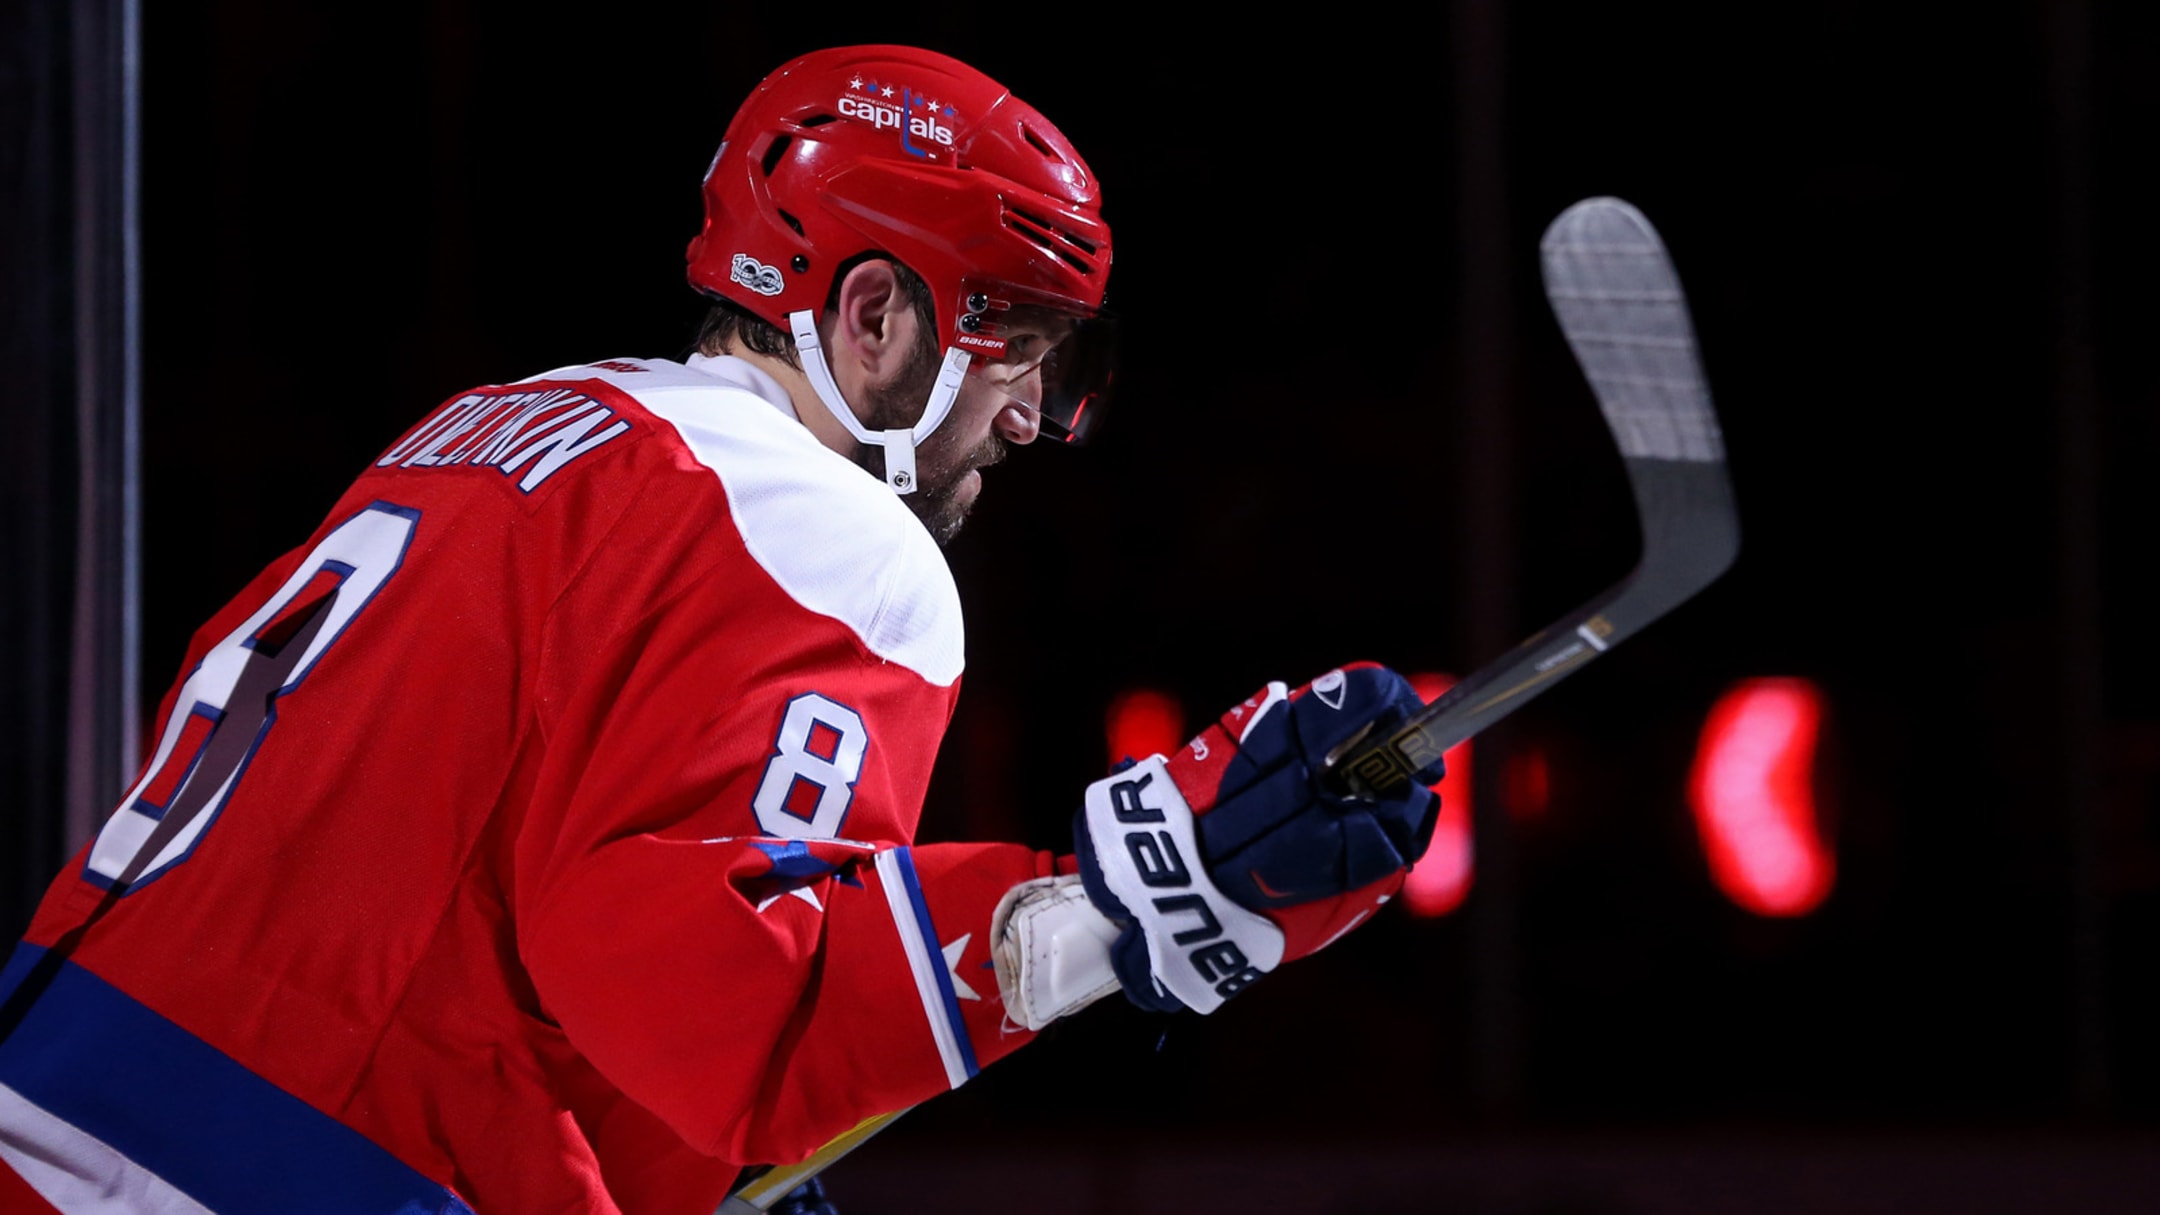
[
  {"x": 1618, "y": 301},
  {"x": 761, "y": 1192},
  {"x": 1619, "y": 304}
]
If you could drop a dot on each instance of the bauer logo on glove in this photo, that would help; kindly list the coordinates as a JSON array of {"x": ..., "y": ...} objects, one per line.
[{"x": 1231, "y": 857}]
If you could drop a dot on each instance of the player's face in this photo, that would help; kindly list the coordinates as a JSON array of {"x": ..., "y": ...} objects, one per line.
[
  {"x": 994, "y": 409},
  {"x": 987, "y": 416}
]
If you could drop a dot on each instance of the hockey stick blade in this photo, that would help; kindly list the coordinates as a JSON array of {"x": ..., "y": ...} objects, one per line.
[{"x": 1618, "y": 300}]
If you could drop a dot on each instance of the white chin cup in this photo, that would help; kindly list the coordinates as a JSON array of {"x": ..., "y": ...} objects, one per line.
[{"x": 899, "y": 445}]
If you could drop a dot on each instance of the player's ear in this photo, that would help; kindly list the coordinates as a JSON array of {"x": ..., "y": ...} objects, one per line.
[{"x": 875, "y": 324}]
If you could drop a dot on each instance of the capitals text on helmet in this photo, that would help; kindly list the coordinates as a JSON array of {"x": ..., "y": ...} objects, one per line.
[{"x": 918, "y": 116}]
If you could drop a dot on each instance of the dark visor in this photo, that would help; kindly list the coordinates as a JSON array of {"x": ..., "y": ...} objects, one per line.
[{"x": 1055, "y": 361}]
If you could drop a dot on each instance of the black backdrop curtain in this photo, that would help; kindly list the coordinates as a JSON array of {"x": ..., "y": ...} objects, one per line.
[{"x": 68, "y": 339}]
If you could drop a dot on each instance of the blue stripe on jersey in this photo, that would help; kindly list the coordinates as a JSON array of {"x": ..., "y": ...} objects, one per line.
[
  {"x": 937, "y": 960},
  {"x": 93, "y": 1057}
]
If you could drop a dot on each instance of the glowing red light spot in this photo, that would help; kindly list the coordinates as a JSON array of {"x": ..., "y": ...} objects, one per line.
[
  {"x": 1752, "y": 791},
  {"x": 1143, "y": 722},
  {"x": 1440, "y": 880},
  {"x": 1528, "y": 783}
]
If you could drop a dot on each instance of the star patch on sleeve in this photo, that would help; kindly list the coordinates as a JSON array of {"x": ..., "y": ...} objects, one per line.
[
  {"x": 792, "y": 870},
  {"x": 952, "y": 952}
]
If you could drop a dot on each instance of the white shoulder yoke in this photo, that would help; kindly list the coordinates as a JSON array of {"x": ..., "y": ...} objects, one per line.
[{"x": 834, "y": 538}]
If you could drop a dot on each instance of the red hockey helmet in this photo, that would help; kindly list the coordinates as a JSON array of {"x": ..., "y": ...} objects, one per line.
[{"x": 917, "y": 156}]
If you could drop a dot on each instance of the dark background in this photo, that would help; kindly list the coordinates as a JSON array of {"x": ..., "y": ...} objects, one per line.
[{"x": 1347, "y": 428}]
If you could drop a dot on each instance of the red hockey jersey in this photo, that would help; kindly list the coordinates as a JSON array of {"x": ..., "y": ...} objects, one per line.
[{"x": 536, "y": 837}]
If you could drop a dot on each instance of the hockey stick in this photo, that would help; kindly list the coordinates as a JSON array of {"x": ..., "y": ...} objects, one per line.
[
  {"x": 1618, "y": 300},
  {"x": 762, "y": 1191}
]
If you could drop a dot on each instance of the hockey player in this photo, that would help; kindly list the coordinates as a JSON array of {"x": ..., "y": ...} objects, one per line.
[{"x": 539, "y": 835}]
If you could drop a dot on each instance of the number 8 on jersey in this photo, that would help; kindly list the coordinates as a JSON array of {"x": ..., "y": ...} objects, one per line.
[{"x": 811, "y": 776}]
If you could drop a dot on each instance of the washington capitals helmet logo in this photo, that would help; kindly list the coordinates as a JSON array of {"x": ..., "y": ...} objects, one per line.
[{"x": 923, "y": 122}]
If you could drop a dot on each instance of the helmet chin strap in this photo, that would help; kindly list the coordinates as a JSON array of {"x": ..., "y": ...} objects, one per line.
[{"x": 899, "y": 445}]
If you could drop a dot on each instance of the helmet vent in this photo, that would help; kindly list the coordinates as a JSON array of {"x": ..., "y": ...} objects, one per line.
[
  {"x": 817, "y": 120},
  {"x": 1054, "y": 239},
  {"x": 1036, "y": 141},
  {"x": 773, "y": 154},
  {"x": 790, "y": 221}
]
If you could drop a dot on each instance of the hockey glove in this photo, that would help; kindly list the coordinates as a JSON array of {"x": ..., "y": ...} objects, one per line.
[{"x": 1229, "y": 858}]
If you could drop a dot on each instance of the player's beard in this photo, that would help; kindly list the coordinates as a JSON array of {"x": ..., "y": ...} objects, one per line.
[{"x": 940, "y": 469}]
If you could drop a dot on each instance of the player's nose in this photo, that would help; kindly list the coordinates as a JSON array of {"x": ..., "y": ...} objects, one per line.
[{"x": 1017, "y": 423}]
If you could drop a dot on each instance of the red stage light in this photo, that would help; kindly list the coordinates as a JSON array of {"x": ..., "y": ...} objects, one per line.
[
  {"x": 1528, "y": 783},
  {"x": 1440, "y": 880},
  {"x": 1752, "y": 791},
  {"x": 1143, "y": 722}
]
